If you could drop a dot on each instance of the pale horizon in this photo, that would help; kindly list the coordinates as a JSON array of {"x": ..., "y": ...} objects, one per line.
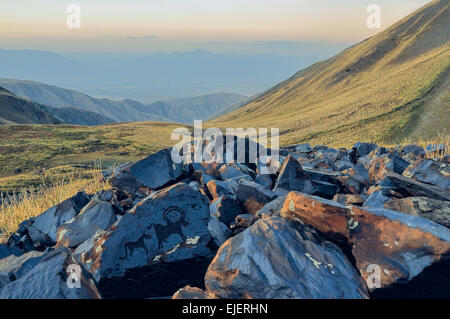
[{"x": 179, "y": 25}]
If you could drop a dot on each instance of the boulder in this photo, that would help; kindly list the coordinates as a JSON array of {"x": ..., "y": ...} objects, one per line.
[
  {"x": 219, "y": 188},
  {"x": 6, "y": 251},
  {"x": 278, "y": 259},
  {"x": 412, "y": 149},
  {"x": 303, "y": 148},
  {"x": 360, "y": 149},
  {"x": 350, "y": 199},
  {"x": 252, "y": 197},
  {"x": 233, "y": 172},
  {"x": 218, "y": 230},
  {"x": 14, "y": 267},
  {"x": 431, "y": 172},
  {"x": 412, "y": 188},
  {"x": 97, "y": 215},
  {"x": 264, "y": 180},
  {"x": 53, "y": 278},
  {"x": 153, "y": 172},
  {"x": 158, "y": 247},
  {"x": 384, "y": 164},
  {"x": 322, "y": 163},
  {"x": 401, "y": 245},
  {"x": 225, "y": 209},
  {"x": 242, "y": 222},
  {"x": 292, "y": 177},
  {"x": 272, "y": 208},
  {"x": 43, "y": 229},
  {"x": 435, "y": 210}
]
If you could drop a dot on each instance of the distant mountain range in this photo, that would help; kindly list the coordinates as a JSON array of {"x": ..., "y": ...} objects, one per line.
[
  {"x": 73, "y": 107},
  {"x": 15, "y": 110},
  {"x": 389, "y": 88},
  {"x": 163, "y": 76}
]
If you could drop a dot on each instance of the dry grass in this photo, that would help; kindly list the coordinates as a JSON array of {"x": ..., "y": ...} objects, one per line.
[
  {"x": 441, "y": 139},
  {"x": 18, "y": 207}
]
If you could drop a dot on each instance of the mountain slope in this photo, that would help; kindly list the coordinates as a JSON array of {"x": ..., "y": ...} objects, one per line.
[
  {"x": 201, "y": 107},
  {"x": 377, "y": 90},
  {"x": 120, "y": 111},
  {"x": 76, "y": 116},
  {"x": 15, "y": 110},
  {"x": 180, "y": 110}
]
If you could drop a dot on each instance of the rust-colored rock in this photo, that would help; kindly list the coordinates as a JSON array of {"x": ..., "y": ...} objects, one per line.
[{"x": 401, "y": 245}]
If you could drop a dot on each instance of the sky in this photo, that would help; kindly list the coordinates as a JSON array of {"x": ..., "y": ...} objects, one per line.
[{"x": 177, "y": 25}]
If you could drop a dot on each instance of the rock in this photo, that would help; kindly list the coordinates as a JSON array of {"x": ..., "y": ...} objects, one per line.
[
  {"x": 272, "y": 208},
  {"x": 14, "y": 267},
  {"x": 412, "y": 149},
  {"x": 233, "y": 172},
  {"x": 158, "y": 247},
  {"x": 384, "y": 164},
  {"x": 252, "y": 196},
  {"x": 264, "y": 180},
  {"x": 242, "y": 222},
  {"x": 219, "y": 188},
  {"x": 412, "y": 188},
  {"x": 153, "y": 172},
  {"x": 401, "y": 245},
  {"x": 49, "y": 280},
  {"x": 97, "y": 215},
  {"x": 218, "y": 230},
  {"x": 277, "y": 259},
  {"x": 225, "y": 209},
  {"x": 435, "y": 210},
  {"x": 350, "y": 199},
  {"x": 292, "y": 177},
  {"x": 190, "y": 293},
  {"x": 377, "y": 199},
  {"x": 6, "y": 251},
  {"x": 43, "y": 229},
  {"x": 429, "y": 172},
  {"x": 303, "y": 148},
  {"x": 356, "y": 180},
  {"x": 322, "y": 163},
  {"x": 360, "y": 149}
]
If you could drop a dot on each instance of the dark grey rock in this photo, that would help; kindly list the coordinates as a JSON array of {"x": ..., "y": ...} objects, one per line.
[
  {"x": 252, "y": 197},
  {"x": 158, "y": 247},
  {"x": 430, "y": 172},
  {"x": 277, "y": 259},
  {"x": 272, "y": 208},
  {"x": 43, "y": 229},
  {"x": 48, "y": 280},
  {"x": 225, "y": 209},
  {"x": 14, "y": 267},
  {"x": 97, "y": 215},
  {"x": 220, "y": 188},
  {"x": 292, "y": 177},
  {"x": 153, "y": 172},
  {"x": 6, "y": 251}
]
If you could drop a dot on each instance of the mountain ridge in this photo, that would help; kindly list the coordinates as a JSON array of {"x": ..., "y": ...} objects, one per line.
[{"x": 358, "y": 94}]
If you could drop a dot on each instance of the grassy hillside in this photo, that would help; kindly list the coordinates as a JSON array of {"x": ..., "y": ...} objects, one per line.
[
  {"x": 33, "y": 154},
  {"x": 388, "y": 89},
  {"x": 14, "y": 109}
]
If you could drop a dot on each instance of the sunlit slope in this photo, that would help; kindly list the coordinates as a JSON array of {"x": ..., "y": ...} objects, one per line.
[{"x": 378, "y": 90}]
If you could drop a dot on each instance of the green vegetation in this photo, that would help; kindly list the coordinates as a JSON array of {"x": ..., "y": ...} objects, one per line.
[{"x": 35, "y": 154}]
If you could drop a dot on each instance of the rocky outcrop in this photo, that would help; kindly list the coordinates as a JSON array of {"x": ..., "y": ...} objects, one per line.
[
  {"x": 155, "y": 233},
  {"x": 401, "y": 245},
  {"x": 159, "y": 246},
  {"x": 97, "y": 215},
  {"x": 153, "y": 172},
  {"x": 42, "y": 231},
  {"x": 435, "y": 210},
  {"x": 270, "y": 260},
  {"x": 56, "y": 276}
]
